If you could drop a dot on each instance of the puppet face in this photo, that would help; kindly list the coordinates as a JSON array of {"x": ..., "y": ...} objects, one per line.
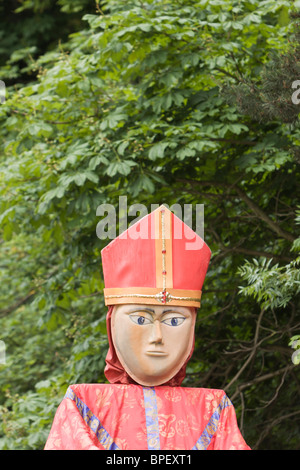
[{"x": 152, "y": 342}]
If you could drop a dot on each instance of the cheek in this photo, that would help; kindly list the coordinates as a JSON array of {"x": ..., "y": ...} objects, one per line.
[
  {"x": 180, "y": 340},
  {"x": 130, "y": 342},
  {"x": 131, "y": 351},
  {"x": 135, "y": 339}
]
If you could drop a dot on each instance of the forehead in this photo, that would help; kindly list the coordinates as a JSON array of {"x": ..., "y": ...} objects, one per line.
[{"x": 153, "y": 309}]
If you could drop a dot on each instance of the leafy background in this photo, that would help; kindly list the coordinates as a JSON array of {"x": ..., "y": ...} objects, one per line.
[{"x": 183, "y": 102}]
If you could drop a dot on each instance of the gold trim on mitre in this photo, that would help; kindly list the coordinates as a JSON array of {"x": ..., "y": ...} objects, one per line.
[
  {"x": 152, "y": 295},
  {"x": 163, "y": 248}
]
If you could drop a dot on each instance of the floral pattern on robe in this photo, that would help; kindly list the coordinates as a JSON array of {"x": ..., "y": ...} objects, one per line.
[{"x": 133, "y": 417}]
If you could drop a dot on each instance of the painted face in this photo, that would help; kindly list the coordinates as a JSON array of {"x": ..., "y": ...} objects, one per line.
[{"x": 152, "y": 342}]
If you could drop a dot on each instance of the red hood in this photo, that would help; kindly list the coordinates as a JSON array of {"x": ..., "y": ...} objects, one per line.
[{"x": 115, "y": 372}]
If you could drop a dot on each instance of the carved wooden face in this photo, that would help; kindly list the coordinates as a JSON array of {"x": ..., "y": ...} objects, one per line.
[{"x": 152, "y": 342}]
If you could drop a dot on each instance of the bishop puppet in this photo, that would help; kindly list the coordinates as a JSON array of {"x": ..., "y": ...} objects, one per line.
[{"x": 153, "y": 275}]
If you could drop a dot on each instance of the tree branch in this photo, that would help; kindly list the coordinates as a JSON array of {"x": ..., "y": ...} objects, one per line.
[
  {"x": 16, "y": 305},
  {"x": 251, "y": 253},
  {"x": 263, "y": 216},
  {"x": 271, "y": 426},
  {"x": 261, "y": 378},
  {"x": 256, "y": 344},
  {"x": 250, "y": 203}
]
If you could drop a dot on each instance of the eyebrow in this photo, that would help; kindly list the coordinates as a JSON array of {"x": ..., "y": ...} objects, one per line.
[
  {"x": 142, "y": 309},
  {"x": 151, "y": 311}
]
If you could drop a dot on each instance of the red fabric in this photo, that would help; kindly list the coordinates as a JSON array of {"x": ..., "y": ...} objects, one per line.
[
  {"x": 184, "y": 417},
  {"x": 124, "y": 259},
  {"x": 189, "y": 265},
  {"x": 114, "y": 371}
]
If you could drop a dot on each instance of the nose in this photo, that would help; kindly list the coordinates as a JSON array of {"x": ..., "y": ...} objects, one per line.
[{"x": 156, "y": 334}]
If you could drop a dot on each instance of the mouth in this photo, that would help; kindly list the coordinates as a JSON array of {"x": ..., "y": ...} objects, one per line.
[{"x": 156, "y": 353}]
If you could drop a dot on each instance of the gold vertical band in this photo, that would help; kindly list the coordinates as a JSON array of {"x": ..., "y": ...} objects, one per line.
[{"x": 163, "y": 249}]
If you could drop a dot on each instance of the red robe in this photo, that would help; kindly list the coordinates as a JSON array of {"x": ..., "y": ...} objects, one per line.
[{"x": 133, "y": 417}]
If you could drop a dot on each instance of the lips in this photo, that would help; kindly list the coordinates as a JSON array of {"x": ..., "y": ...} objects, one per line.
[{"x": 156, "y": 353}]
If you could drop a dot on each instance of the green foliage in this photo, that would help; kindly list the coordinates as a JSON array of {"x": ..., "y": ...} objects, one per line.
[
  {"x": 269, "y": 96},
  {"x": 139, "y": 100},
  {"x": 271, "y": 285}
]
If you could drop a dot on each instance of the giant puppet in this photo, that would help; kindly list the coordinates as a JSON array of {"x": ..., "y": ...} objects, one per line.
[{"x": 153, "y": 275}]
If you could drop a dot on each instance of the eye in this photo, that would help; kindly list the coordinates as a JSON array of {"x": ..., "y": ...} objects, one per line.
[
  {"x": 174, "y": 321},
  {"x": 139, "y": 319}
]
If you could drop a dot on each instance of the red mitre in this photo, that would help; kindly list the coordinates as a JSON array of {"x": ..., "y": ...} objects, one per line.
[{"x": 158, "y": 260}]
